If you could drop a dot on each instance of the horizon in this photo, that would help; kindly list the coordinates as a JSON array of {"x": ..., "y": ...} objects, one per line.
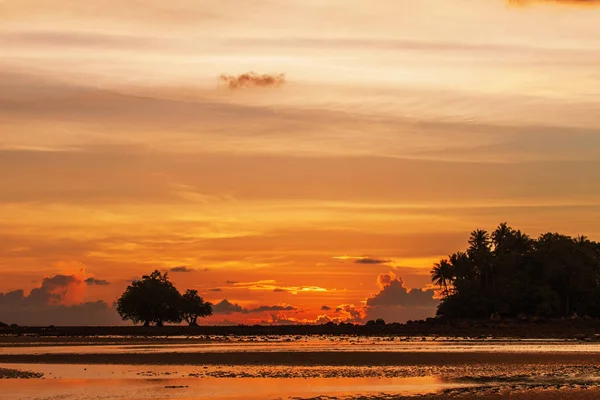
[{"x": 294, "y": 162}]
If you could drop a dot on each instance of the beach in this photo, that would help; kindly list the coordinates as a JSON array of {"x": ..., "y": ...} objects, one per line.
[{"x": 298, "y": 367}]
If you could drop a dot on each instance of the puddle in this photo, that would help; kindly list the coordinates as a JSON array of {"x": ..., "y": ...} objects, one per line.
[{"x": 109, "y": 382}]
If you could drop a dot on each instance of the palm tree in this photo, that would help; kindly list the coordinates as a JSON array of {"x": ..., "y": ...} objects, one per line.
[
  {"x": 480, "y": 253},
  {"x": 442, "y": 275},
  {"x": 479, "y": 241},
  {"x": 582, "y": 240},
  {"x": 500, "y": 238}
]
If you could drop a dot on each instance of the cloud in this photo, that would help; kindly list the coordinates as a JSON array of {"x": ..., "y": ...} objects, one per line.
[
  {"x": 215, "y": 290},
  {"x": 231, "y": 282},
  {"x": 563, "y": 2},
  {"x": 323, "y": 319},
  {"x": 78, "y": 39},
  {"x": 60, "y": 289},
  {"x": 280, "y": 319},
  {"x": 386, "y": 279},
  {"x": 99, "y": 282},
  {"x": 252, "y": 80},
  {"x": 272, "y": 308},
  {"x": 349, "y": 313},
  {"x": 57, "y": 301},
  {"x": 369, "y": 260},
  {"x": 346, "y": 313},
  {"x": 227, "y": 307},
  {"x": 274, "y": 286},
  {"x": 394, "y": 293},
  {"x": 396, "y": 303},
  {"x": 182, "y": 268}
]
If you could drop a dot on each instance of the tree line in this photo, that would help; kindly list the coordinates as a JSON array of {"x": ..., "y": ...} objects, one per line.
[
  {"x": 155, "y": 300},
  {"x": 507, "y": 273}
]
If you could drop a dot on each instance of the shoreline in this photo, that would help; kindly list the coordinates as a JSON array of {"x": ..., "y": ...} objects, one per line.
[{"x": 579, "y": 329}]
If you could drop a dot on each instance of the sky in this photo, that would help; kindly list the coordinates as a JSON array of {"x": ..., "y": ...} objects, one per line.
[{"x": 293, "y": 161}]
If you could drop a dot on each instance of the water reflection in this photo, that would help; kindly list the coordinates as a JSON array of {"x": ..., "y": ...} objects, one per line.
[
  {"x": 128, "y": 384},
  {"x": 505, "y": 364},
  {"x": 300, "y": 344}
]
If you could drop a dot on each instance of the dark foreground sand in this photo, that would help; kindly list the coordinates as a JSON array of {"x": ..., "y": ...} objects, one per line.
[
  {"x": 318, "y": 358},
  {"x": 7, "y": 373},
  {"x": 487, "y": 394}
]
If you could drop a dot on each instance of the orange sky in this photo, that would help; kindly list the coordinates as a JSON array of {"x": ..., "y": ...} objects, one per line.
[{"x": 401, "y": 126}]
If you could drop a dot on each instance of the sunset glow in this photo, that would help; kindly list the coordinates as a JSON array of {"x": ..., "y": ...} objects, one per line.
[{"x": 293, "y": 161}]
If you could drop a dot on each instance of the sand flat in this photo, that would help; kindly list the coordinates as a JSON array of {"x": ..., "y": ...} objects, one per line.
[{"x": 302, "y": 368}]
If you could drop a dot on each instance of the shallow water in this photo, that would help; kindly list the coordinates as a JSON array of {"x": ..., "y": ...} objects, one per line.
[
  {"x": 110, "y": 382},
  {"x": 306, "y": 344},
  {"x": 120, "y": 382}
]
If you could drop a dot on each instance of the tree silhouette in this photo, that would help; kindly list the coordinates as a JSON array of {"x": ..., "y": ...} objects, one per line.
[
  {"x": 193, "y": 306},
  {"x": 153, "y": 299},
  {"x": 511, "y": 274},
  {"x": 442, "y": 274}
]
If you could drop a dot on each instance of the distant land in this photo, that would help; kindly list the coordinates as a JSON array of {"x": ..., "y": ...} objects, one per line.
[{"x": 577, "y": 328}]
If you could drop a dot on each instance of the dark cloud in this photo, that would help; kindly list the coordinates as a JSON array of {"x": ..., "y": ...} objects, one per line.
[
  {"x": 396, "y": 303},
  {"x": 52, "y": 291},
  {"x": 226, "y": 307},
  {"x": 215, "y": 290},
  {"x": 280, "y": 290},
  {"x": 14, "y": 297},
  {"x": 56, "y": 302},
  {"x": 182, "y": 268},
  {"x": 325, "y": 308},
  {"x": 279, "y": 319},
  {"x": 395, "y": 294},
  {"x": 271, "y": 308},
  {"x": 369, "y": 260},
  {"x": 252, "y": 80},
  {"x": 99, "y": 282},
  {"x": 231, "y": 282}
]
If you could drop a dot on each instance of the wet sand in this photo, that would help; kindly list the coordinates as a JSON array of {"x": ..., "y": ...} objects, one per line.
[
  {"x": 300, "y": 368},
  {"x": 295, "y": 358}
]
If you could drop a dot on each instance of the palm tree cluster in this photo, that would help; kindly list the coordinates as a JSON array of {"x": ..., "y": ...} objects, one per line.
[{"x": 510, "y": 274}]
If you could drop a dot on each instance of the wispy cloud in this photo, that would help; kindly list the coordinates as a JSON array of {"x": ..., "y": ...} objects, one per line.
[
  {"x": 227, "y": 307},
  {"x": 273, "y": 286},
  {"x": 182, "y": 268},
  {"x": 564, "y": 2},
  {"x": 369, "y": 260}
]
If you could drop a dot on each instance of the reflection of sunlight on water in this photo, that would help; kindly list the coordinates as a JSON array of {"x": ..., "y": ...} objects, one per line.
[
  {"x": 123, "y": 386},
  {"x": 313, "y": 345},
  {"x": 120, "y": 382},
  {"x": 303, "y": 343}
]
